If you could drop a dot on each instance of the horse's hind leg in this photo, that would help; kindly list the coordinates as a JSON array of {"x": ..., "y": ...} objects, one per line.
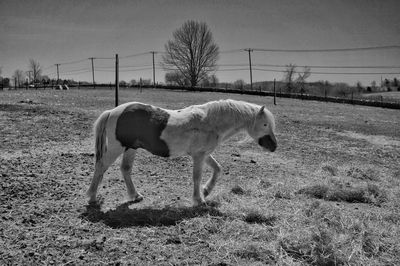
[
  {"x": 216, "y": 172},
  {"x": 126, "y": 169},
  {"x": 101, "y": 166}
]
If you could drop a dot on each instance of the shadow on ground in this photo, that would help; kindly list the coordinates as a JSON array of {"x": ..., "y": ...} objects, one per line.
[{"x": 123, "y": 216}]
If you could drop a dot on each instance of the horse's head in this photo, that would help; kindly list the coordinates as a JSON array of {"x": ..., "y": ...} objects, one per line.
[{"x": 263, "y": 129}]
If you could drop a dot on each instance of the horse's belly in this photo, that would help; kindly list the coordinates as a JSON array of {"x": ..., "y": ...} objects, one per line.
[
  {"x": 192, "y": 141},
  {"x": 178, "y": 144}
]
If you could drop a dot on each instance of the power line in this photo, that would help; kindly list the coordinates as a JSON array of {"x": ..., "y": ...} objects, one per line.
[
  {"x": 132, "y": 66},
  {"x": 141, "y": 54},
  {"x": 105, "y": 58},
  {"x": 75, "y": 70},
  {"x": 312, "y": 66},
  {"x": 335, "y": 73},
  {"x": 134, "y": 55},
  {"x": 243, "y": 66},
  {"x": 76, "y": 73},
  {"x": 233, "y": 69},
  {"x": 47, "y": 67},
  {"x": 133, "y": 70},
  {"x": 231, "y": 51},
  {"x": 126, "y": 70},
  {"x": 386, "y": 47},
  {"x": 72, "y": 62}
]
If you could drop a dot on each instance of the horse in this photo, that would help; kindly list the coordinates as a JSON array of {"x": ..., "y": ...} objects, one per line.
[{"x": 194, "y": 131}]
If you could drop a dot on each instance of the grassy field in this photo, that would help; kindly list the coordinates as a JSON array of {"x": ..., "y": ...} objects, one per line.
[
  {"x": 329, "y": 195},
  {"x": 390, "y": 96}
]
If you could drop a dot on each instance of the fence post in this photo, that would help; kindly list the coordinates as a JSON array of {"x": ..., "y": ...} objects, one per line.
[
  {"x": 325, "y": 93},
  {"x": 154, "y": 71},
  {"x": 15, "y": 83},
  {"x": 116, "y": 80},
  {"x": 274, "y": 93},
  {"x": 352, "y": 98}
]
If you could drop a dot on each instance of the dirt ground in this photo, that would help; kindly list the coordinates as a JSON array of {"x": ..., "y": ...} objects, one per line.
[{"x": 329, "y": 195}]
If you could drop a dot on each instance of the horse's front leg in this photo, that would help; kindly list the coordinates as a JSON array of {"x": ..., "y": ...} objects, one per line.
[
  {"x": 198, "y": 163},
  {"x": 216, "y": 172}
]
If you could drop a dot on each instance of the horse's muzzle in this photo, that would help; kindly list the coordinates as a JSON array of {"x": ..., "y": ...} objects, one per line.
[{"x": 268, "y": 142}]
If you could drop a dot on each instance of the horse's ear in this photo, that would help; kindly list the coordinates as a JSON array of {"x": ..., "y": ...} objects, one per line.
[{"x": 261, "y": 112}]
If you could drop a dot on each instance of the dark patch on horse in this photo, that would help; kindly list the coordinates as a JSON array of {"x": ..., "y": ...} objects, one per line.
[
  {"x": 140, "y": 126},
  {"x": 267, "y": 142}
]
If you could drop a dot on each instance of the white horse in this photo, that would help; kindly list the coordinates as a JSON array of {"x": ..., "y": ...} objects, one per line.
[{"x": 196, "y": 131}]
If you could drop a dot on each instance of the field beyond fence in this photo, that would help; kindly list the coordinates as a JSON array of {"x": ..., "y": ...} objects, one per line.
[{"x": 382, "y": 99}]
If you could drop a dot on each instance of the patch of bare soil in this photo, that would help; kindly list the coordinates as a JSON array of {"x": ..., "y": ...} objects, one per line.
[
  {"x": 27, "y": 126},
  {"x": 373, "y": 139}
]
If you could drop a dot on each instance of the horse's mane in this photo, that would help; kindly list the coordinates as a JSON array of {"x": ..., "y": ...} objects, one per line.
[
  {"x": 239, "y": 108},
  {"x": 235, "y": 110}
]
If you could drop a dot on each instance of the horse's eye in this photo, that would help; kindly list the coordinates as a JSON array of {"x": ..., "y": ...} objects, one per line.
[{"x": 265, "y": 125}]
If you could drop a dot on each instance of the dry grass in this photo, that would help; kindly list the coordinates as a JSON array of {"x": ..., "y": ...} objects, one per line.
[
  {"x": 323, "y": 198},
  {"x": 369, "y": 194}
]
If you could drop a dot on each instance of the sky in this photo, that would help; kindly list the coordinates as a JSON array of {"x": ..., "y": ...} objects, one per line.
[{"x": 69, "y": 32}]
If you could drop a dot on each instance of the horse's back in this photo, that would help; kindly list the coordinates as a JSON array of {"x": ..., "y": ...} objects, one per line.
[{"x": 188, "y": 131}]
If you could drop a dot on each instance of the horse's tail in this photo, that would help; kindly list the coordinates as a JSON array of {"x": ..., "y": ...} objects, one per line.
[{"x": 100, "y": 135}]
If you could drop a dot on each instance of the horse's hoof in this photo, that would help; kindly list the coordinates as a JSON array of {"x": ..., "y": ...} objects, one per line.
[
  {"x": 137, "y": 199},
  {"x": 97, "y": 201},
  {"x": 205, "y": 192},
  {"x": 200, "y": 204}
]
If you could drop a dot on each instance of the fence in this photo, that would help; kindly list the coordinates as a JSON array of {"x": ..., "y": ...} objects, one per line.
[
  {"x": 308, "y": 91},
  {"x": 355, "y": 99},
  {"x": 366, "y": 102}
]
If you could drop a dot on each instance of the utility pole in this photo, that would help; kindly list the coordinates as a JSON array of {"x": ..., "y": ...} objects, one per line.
[
  {"x": 94, "y": 84},
  {"x": 58, "y": 73},
  {"x": 154, "y": 71},
  {"x": 251, "y": 73},
  {"x": 116, "y": 79}
]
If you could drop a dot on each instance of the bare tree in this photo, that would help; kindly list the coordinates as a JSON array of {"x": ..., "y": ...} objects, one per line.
[
  {"x": 373, "y": 85},
  {"x": 35, "y": 69},
  {"x": 288, "y": 76},
  {"x": 213, "y": 80},
  {"x": 19, "y": 77},
  {"x": 192, "y": 52},
  {"x": 176, "y": 78},
  {"x": 239, "y": 84},
  {"x": 302, "y": 76}
]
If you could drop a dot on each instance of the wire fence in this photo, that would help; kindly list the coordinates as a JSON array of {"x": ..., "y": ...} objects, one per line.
[
  {"x": 141, "y": 62},
  {"x": 145, "y": 65}
]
